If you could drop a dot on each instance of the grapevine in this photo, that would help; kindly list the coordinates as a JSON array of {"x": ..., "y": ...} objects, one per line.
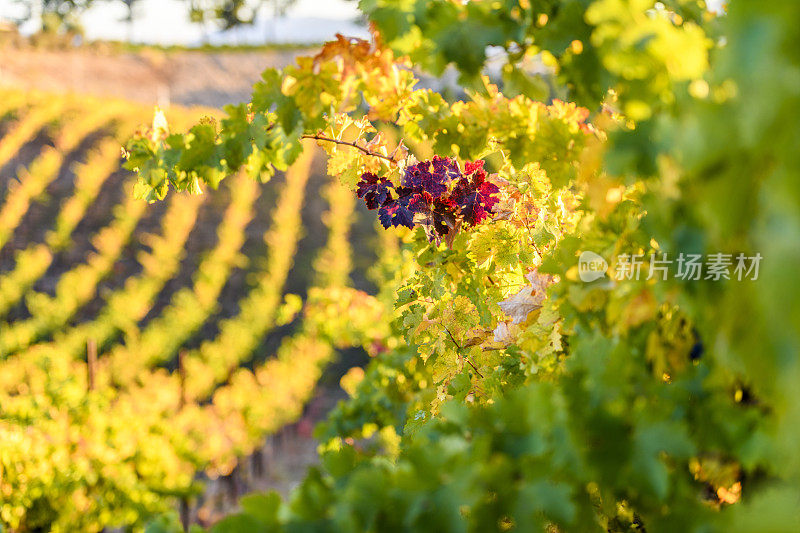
[
  {"x": 510, "y": 393},
  {"x": 148, "y": 452},
  {"x": 506, "y": 390}
]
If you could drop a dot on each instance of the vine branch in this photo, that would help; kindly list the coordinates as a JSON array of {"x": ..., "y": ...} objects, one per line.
[
  {"x": 460, "y": 348},
  {"x": 350, "y": 143}
]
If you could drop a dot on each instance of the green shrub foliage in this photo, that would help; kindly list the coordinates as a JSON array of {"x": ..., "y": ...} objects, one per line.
[{"x": 511, "y": 392}]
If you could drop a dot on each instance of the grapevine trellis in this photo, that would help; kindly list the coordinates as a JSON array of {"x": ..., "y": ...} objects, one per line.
[
  {"x": 119, "y": 388},
  {"x": 521, "y": 380}
]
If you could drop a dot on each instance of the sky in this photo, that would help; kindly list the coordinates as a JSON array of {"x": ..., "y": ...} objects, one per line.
[{"x": 166, "y": 22}]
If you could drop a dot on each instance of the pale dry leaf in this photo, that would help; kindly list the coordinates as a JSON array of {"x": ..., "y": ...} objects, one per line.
[
  {"x": 504, "y": 209},
  {"x": 539, "y": 282},
  {"x": 503, "y": 334},
  {"x": 474, "y": 337},
  {"x": 399, "y": 153},
  {"x": 528, "y": 299}
]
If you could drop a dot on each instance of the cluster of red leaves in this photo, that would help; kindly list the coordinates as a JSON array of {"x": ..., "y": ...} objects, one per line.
[{"x": 434, "y": 193}]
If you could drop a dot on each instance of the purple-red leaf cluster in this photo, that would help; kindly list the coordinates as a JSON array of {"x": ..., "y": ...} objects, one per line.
[
  {"x": 435, "y": 193},
  {"x": 374, "y": 190}
]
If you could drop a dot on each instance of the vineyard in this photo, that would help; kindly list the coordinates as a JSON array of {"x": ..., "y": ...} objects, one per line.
[
  {"x": 135, "y": 343},
  {"x": 574, "y": 273}
]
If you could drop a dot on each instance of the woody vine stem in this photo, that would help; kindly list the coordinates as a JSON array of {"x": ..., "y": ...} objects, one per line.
[{"x": 349, "y": 143}]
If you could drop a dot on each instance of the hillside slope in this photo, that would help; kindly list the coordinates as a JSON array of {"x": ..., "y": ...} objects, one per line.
[
  {"x": 149, "y": 76},
  {"x": 130, "y": 333}
]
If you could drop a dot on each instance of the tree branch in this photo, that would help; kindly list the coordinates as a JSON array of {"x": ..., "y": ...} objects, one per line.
[
  {"x": 475, "y": 368},
  {"x": 353, "y": 144},
  {"x": 460, "y": 349}
]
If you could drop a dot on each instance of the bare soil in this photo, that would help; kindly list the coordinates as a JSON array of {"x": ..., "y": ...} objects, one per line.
[{"x": 150, "y": 76}]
